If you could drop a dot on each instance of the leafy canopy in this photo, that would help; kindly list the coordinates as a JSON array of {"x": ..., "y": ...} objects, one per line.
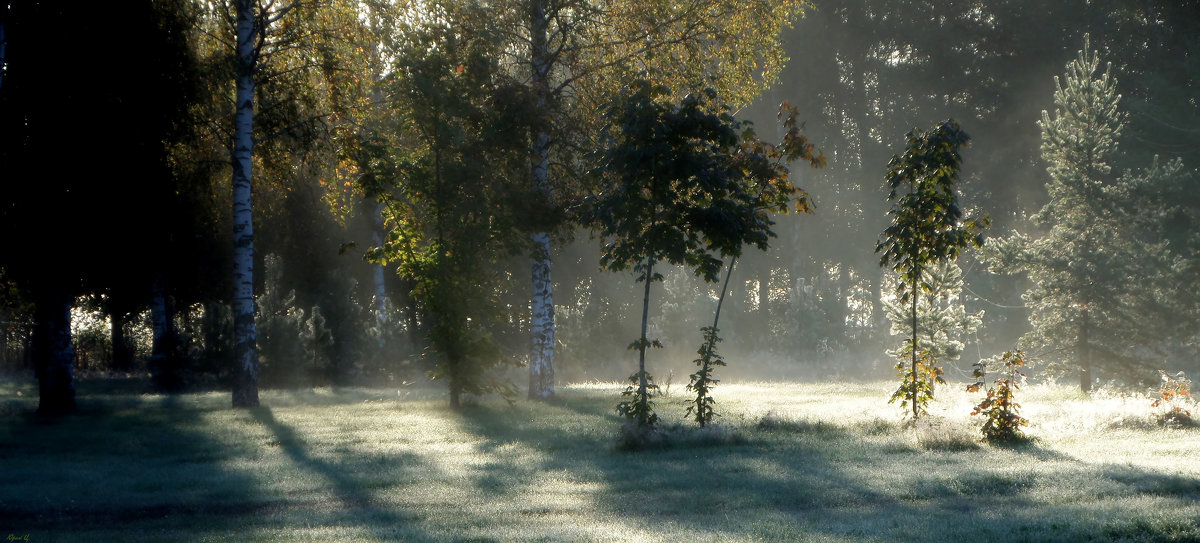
[
  {"x": 927, "y": 222},
  {"x": 688, "y": 183}
]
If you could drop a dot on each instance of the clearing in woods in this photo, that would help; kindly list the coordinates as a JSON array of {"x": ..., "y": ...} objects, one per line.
[{"x": 786, "y": 462}]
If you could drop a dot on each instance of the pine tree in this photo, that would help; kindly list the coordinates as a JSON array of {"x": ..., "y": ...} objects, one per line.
[
  {"x": 1094, "y": 276},
  {"x": 942, "y": 319}
]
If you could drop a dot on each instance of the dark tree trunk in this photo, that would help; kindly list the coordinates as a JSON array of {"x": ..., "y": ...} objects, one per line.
[
  {"x": 122, "y": 352},
  {"x": 53, "y": 353},
  {"x": 643, "y": 393},
  {"x": 843, "y": 293},
  {"x": 879, "y": 322},
  {"x": 216, "y": 334},
  {"x": 164, "y": 357},
  {"x": 412, "y": 319}
]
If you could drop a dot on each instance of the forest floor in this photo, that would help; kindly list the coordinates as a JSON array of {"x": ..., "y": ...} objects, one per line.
[{"x": 787, "y": 462}]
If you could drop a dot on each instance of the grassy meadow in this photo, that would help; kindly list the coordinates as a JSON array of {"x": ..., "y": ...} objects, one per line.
[{"x": 788, "y": 462}]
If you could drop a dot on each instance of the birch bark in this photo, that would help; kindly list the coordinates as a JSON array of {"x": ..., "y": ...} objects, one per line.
[
  {"x": 245, "y": 349},
  {"x": 541, "y": 356},
  {"x": 377, "y": 277}
]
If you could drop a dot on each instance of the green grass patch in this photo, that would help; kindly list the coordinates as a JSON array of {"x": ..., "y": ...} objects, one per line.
[{"x": 787, "y": 462}]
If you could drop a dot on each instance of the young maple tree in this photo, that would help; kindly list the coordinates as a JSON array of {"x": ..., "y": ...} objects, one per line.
[
  {"x": 927, "y": 227},
  {"x": 686, "y": 184},
  {"x": 1003, "y": 424}
]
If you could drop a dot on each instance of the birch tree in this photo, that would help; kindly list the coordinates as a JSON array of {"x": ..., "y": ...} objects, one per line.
[
  {"x": 245, "y": 349},
  {"x": 259, "y": 40}
]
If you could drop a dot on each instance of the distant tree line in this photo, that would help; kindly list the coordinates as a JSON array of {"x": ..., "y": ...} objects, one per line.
[{"x": 411, "y": 171}]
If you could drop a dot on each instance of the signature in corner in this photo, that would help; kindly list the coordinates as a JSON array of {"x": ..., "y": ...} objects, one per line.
[{"x": 15, "y": 537}]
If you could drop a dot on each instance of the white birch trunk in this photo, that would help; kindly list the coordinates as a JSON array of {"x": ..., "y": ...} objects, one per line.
[
  {"x": 541, "y": 356},
  {"x": 381, "y": 302},
  {"x": 245, "y": 350}
]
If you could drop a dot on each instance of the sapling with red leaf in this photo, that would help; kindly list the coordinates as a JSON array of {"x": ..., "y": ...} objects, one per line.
[{"x": 1003, "y": 422}]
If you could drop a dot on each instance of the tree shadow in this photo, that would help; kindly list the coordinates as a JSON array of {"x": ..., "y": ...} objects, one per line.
[
  {"x": 152, "y": 466},
  {"x": 1144, "y": 481},
  {"x": 712, "y": 480},
  {"x": 69, "y": 476},
  {"x": 348, "y": 480},
  {"x": 789, "y": 480}
]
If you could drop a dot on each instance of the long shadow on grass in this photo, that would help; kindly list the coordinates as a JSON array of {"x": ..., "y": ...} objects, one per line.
[
  {"x": 750, "y": 488},
  {"x": 348, "y": 480},
  {"x": 111, "y": 471},
  {"x": 795, "y": 480}
]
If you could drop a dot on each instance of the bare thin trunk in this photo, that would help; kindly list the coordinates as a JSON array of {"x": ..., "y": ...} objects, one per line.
[
  {"x": 643, "y": 393},
  {"x": 245, "y": 349},
  {"x": 541, "y": 356},
  {"x": 915, "y": 285},
  {"x": 724, "y": 289},
  {"x": 711, "y": 340},
  {"x": 1085, "y": 353}
]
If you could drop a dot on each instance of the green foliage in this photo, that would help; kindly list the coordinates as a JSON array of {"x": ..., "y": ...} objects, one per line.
[
  {"x": 685, "y": 187},
  {"x": 701, "y": 410},
  {"x": 1175, "y": 395},
  {"x": 687, "y": 183},
  {"x": 927, "y": 228},
  {"x": 1083, "y": 133},
  {"x": 917, "y": 379},
  {"x": 927, "y": 223},
  {"x": 1111, "y": 255},
  {"x": 638, "y": 406},
  {"x": 448, "y": 185},
  {"x": 1003, "y": 422}
]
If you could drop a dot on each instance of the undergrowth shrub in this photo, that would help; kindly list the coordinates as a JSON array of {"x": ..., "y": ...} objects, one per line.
[
  {"x": 634, "y": 437},
  {"x": 1175, "y": 398},
  {"x": 916, "y": 383},
  {"x": 777, "y": 423},
  {"x": 1002, "y": 422},
  {"x": 701, "y": 409},
  {"x": 633, "y": 408}
]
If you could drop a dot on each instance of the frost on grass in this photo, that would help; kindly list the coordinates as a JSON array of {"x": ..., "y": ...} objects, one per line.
[
  {"x": 675, "y": 436},
  {"x": 934, "y": 434},
  {"x": 773, "y": 421}
]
